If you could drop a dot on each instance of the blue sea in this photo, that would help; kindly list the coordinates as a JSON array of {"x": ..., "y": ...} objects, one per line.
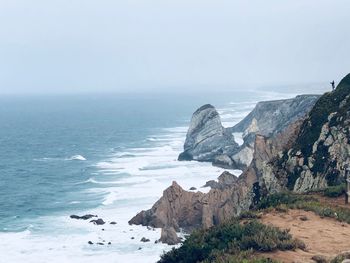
[{"x": 110, "y": 155}]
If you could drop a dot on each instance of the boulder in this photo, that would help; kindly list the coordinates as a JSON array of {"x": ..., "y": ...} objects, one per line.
[
  {"x": 98, "y": 221},
  {"x": 169, "y": 236}
]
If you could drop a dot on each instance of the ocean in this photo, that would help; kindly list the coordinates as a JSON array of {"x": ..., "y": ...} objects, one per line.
[{"x": 107, "y": 155}]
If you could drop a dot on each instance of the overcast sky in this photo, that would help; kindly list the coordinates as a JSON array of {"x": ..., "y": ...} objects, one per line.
[{"x": 114, "y": 45}]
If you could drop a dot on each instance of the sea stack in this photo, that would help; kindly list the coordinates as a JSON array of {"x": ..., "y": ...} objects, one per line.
[{"x": 206, "y": 137}]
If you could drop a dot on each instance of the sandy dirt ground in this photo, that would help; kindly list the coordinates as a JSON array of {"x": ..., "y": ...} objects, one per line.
[{"x": 322, "y": 236}]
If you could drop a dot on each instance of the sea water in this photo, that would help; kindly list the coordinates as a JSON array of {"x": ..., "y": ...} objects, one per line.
[{"x": 107, "y": 155}]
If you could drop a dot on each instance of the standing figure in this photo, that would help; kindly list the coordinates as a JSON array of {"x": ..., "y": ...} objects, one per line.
[{"x": 333, "y": 85}]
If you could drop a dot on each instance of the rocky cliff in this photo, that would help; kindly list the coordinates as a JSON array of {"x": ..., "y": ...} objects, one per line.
[
  {"x": 321, "y": 151},
  {"x": 206, "y": 137},
  {"x": 269, "y": 118},
  {"x": 308, "y": 154}
]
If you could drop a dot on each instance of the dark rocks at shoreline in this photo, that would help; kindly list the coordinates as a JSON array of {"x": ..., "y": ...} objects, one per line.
[
  {"x": 100, "y": 243},
  {"x": 145, "y": 240},
  {"x": 90, "y": 243},
  {"x": 193, "y": 188},
  {"x": 84, "y": 217},
  {"x": 98, "y": 221}
]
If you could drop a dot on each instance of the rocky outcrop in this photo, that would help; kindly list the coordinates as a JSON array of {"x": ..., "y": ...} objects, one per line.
[
  {"x": 176, "y": 208},
  {"x": 206, "y": 137},
  {"x": 169, "y": 236}
]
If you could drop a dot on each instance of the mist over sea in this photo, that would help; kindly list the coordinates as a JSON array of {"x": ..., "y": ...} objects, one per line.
[{"x": 109, "y": 155}]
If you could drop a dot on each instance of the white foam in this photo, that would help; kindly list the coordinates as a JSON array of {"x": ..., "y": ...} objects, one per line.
[{"x": 77, "y": 158}]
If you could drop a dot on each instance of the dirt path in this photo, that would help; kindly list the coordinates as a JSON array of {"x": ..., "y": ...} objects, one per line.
[{"x": 323, "y": 236}]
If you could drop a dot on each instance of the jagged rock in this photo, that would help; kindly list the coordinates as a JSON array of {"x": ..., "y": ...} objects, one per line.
[
  {"x": 98, "y": 221},
  {"x": 84, "y": 217},
  {"x": 212, "y": 184},
  {"x": 169, "y": 236},
  {"x": 206, "y": 137},
  {"x": 177, "y": 208}
]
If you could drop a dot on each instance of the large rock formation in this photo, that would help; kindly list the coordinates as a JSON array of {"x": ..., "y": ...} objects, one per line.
[
  {"x": 208, "y": 140},
  {"x": 206, "y": 137}
]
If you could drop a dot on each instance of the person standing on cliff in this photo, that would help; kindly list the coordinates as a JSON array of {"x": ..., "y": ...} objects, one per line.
[{"x": 333, "y": 85}]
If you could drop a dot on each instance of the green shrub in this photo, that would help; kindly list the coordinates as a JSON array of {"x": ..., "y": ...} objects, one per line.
[
  {"x": 283, "y": 198},
  {"x": 335, "y": 191},
  {"x": 231, "y": 238}
]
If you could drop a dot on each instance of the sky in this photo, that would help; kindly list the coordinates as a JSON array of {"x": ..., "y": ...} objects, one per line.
[{"x": 72, "y": 46}]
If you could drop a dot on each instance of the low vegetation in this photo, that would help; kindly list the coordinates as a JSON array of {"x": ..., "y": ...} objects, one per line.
[
  {"x": 304, "y": 202},
  {"x": 239, "y": 239},
  {"x": 232, "y": 241},
  {"x": 335, "y": 191}
]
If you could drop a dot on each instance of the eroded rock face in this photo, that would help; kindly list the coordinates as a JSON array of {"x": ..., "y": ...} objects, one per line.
[
  {"x": 206, "y": 137},
  {"x": 269, "y": 118},
  {"x": 169, "y": 236},
  {"x": 176, "y": 208}
]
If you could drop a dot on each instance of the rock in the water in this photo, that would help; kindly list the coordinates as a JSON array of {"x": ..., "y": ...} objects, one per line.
[
  {"x": 145, "y": 240},
  {"x": 193, "y": 188},
  {"x": 206, "y": 137},
  {"x": 84, "y": 217},
  {"x": 113, "y": 223},
  {"x": 100, "y": 243},
  {"x": 169, "y": 236},
  {"x": 98, "y": 221},
  {"x": 90, "y": 243}
]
